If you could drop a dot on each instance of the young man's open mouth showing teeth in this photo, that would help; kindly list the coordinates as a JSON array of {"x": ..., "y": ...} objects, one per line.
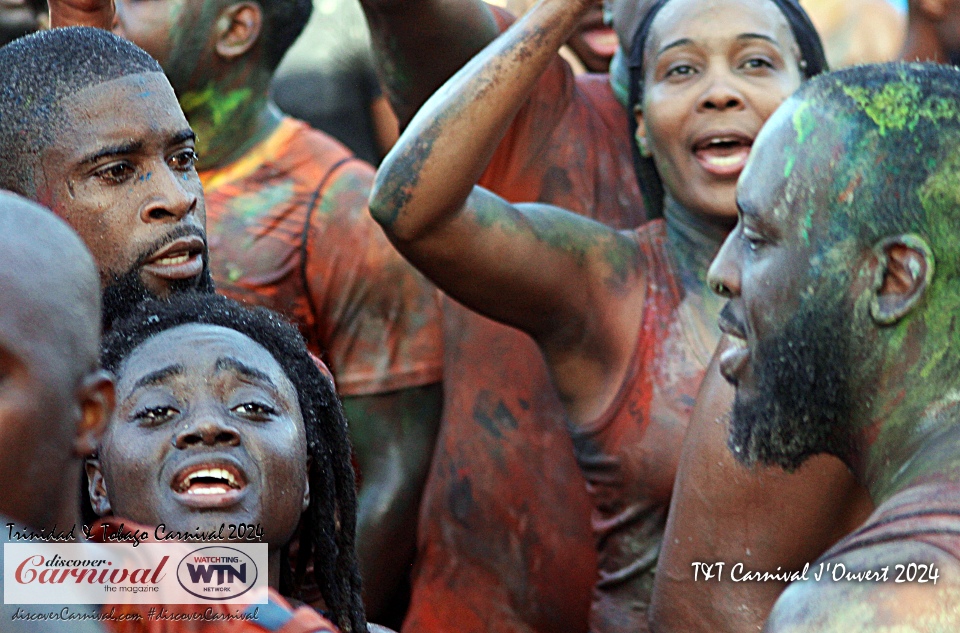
[{"x": 209, "y": 485}]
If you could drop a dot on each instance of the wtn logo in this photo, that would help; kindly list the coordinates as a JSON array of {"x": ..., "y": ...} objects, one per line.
[
  {"x": 217, "y": 573},
  {"x": 225, "y": 573}
]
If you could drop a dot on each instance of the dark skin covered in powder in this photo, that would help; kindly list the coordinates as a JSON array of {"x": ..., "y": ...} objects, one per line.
[
  {"x": 222, "y": 79},
  {"x": 579, "y": 302},
  {"x": 874, "y": 257}
]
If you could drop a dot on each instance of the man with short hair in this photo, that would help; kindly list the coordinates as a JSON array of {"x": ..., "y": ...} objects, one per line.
[
  {"x": 90, "y": 127},
  {"x": 844, "y": 293},
  {"x": 289, "y": 230},
  {"x": 55, "y": 400}
]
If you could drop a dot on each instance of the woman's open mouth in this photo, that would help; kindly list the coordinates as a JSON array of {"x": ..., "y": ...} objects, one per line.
[{"x": 723, "y": 155}]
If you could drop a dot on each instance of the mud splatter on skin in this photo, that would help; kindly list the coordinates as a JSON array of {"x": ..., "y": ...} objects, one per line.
[{"x": 399, "y": 174}]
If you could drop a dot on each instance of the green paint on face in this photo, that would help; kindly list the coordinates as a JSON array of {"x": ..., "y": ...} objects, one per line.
[
  {"x": 804, "y": 122},
  {"x": 899, "y": 105},
  {"x": 216, "y": 117},
  {"x": 788, "y": 167}
]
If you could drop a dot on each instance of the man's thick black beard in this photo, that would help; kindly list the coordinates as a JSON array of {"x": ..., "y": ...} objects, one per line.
[
  {"x": 803, "y": 402},
  {"x": 128, "y": 291}
]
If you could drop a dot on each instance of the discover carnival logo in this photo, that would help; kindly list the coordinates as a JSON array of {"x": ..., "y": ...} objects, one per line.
[
  {"x": 93, "y": 573},
  {"x": 217, "y": 573}
]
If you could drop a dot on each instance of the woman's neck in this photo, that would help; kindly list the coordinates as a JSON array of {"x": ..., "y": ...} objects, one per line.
[{"x": 695, "y": 241}]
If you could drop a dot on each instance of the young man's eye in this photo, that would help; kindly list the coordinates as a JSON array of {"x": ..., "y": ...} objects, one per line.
[
  {"x": 154, "y": 415},
  {"x": 115, "y": 173},
  {"x": 184, "y": 160},
  {"x": 254, "y": 410}
]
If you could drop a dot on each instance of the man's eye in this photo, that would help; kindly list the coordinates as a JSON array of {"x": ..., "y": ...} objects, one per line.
[
  {"x": 183, "y": 160},
  {"x": 154, "y": 415},
  {"x": 116, "y": 173},
  {"x": 254, "y": 410},
  {"x": 753, "y": 240}
]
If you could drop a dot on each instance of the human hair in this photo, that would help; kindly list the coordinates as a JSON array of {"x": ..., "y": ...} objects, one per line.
[
  {"x": 328, "y": 526},
  {"x": 284, "y": 21},
  {"x": 813, "y": 61},
  {"x": 899, "y": 127},
  {"x": 883, "y": 143},
  {"x": 37, "y": 73}
]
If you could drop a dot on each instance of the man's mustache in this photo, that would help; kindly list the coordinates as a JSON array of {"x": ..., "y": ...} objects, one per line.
[{"x": 180, "y": 231}]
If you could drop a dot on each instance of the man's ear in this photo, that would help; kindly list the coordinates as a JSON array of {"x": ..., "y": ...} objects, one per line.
[
  {"x": 641, "y": 135},
  {"x": 97, "y": 488},
  {"x": 96, "y": 398},
  {"x": 906, "y": 266},
  {"x": 238, "y": 29}
]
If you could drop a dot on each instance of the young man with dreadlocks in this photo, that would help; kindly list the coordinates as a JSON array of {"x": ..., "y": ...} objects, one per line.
[{"x": 206, "y": 386}]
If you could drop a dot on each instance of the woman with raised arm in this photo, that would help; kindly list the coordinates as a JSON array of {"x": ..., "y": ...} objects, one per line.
[{"x": 624, "y": 320}]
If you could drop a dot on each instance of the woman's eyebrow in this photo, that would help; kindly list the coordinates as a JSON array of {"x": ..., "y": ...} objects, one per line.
[
  {"x": 681, "y": 42},
  {"x": 758, "y": 36}
]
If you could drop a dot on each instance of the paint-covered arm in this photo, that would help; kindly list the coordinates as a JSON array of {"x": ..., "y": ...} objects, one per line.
[
  {"x": 722, "y": 512},
  {"x": 545, "y": 271},
  {"x": 419, "y": 44},
  {"x": 98, "y": 13},
  {"x": 393, "y": 436}
]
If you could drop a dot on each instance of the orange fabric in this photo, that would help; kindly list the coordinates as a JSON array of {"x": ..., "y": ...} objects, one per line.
[
  {"x": 504, "y": 542},
  {"x": 376, "y": 321},
  {"x": 277, "y": 615}
]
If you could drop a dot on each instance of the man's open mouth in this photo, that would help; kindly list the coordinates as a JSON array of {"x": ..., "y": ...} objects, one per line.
[{"x": 180, "y": 259}]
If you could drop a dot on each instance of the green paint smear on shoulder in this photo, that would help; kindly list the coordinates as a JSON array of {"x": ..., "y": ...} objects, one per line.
[
  {"x": 899, "y": 105},
  {"x": 264, "y": 201},
  {"x": 560, "y": 230}
]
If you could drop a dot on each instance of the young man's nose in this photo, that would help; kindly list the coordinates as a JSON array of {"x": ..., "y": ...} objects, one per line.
[{"x": 208, "y": 430}]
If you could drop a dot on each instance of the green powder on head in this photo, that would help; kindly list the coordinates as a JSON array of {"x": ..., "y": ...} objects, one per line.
[{"x": 899, "y": 105}]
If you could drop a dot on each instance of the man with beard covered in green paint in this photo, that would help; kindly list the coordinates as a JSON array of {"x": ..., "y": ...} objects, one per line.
[
  {"x": 289, "y": 230},
  {"x": 843, "y": 276}
]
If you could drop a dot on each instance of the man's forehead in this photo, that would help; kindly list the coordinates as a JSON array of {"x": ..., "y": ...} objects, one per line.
[
  {"x": 202, "y": 347},
  {"x": 791, "y": 160},
  {"x": 137, "y": 107}
]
